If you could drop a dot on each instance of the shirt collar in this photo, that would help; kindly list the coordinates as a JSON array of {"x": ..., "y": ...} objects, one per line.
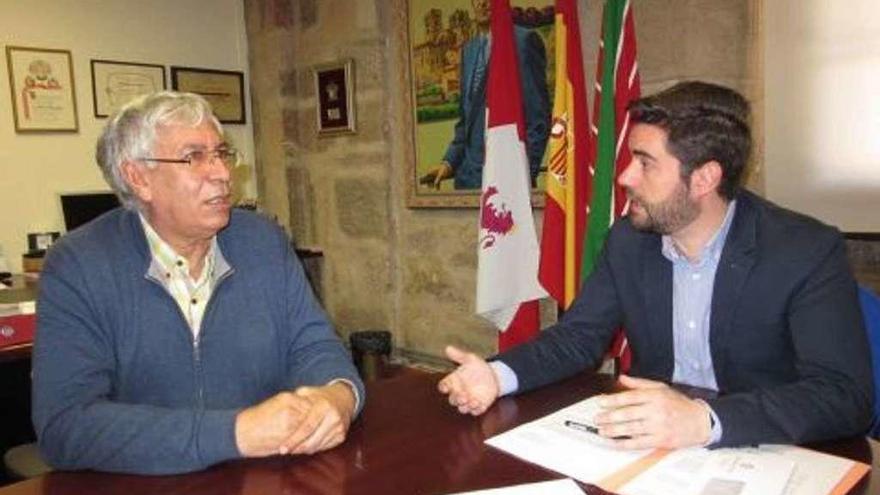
[
  {"x": 712, "y": 249},
  {"x": 169, "y": 260}
]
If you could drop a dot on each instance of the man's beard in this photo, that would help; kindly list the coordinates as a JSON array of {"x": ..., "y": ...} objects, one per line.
[{"x": 667, "y": 216}]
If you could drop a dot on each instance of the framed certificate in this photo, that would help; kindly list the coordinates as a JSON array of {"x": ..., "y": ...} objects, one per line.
[
  {"x": 223, "y": 89},
  {"x": 43, "y": 95},
  {"x": 116, "y": 83}
]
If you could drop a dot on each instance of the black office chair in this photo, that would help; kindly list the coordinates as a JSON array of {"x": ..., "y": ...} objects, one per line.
[{"x": 24, "y": 461}]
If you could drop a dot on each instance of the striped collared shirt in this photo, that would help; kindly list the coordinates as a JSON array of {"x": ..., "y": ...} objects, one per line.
[{"x": 172, "y": 271}]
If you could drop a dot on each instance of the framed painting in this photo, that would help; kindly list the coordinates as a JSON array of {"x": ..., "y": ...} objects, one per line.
[
  {"x": 448, "y": 59},
  {"x": 222, "y": 88},
  {"x": 116, "y": 83},
  {"x": 334, "y": 88},
  {"x": 43, "y": 93}
]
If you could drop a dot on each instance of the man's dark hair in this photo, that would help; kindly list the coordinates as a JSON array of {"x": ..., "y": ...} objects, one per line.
[{"x": 704, "y": 122}]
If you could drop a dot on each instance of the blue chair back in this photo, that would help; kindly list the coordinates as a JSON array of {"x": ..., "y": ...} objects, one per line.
[{"x": 871, "y": 311}]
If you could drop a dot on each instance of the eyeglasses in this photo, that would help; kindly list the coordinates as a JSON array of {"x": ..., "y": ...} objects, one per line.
[{"x": 229, "y": 157}]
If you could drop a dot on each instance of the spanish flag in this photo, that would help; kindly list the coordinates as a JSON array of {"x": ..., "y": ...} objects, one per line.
[{"x": 568, "y": 177}]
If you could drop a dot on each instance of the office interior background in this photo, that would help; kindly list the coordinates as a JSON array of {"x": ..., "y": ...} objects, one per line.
[{"x": 810, "y": 67}]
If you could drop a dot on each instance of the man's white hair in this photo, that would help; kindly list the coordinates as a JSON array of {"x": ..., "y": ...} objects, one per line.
[{"x": 131, "y": 132}]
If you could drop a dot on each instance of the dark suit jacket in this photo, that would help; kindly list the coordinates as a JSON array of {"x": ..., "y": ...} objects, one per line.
[
  {"x": 466, "y": 151},
  {"x": 788, "y": 344}
]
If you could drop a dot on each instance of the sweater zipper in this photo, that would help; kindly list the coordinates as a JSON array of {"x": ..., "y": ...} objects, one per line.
[
  {"x": 197, "y": 363},
  {"x": 197, "y": 357}
]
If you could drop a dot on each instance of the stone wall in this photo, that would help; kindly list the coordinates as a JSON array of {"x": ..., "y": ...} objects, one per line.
[
  {"x": 333, "y": 190},
  {"x": 412, "y": 271}
]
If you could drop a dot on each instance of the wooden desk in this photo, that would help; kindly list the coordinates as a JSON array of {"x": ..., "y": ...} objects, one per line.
[
  {"x": 16, "y": 352},
  {"x": 408, "y": 441}
]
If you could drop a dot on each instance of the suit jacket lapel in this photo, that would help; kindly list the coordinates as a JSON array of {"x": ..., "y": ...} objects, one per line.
[
  {"x": 657, "y": 283},
  {"x": 737, "y": 260}
]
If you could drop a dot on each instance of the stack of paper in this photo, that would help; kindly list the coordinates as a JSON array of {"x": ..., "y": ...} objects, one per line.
[
  {"x": 816, "y": 473},
  {"x": 562, "y": 442},
  {"x": 722, "y": 472},
  {"x": 18, "y": 308}
]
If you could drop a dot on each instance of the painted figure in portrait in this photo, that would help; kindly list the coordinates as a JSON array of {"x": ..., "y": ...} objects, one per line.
[{"x": 451, "y": 48}]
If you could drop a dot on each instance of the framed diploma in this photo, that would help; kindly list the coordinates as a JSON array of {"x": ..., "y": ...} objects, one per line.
[
  {"x": 43, "y": 94},
  {"x": 223, "y": 89},
  {"x": 116, "y": 83}
]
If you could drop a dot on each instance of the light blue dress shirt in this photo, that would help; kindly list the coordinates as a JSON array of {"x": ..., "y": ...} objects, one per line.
[{"x": 692, "y": 284}]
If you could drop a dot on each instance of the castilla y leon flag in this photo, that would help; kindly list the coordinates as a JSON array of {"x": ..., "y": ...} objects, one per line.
[
  {"x": 507, "y": 277},
  {"x": 617, "y": 83},
  {"x": 568, "y": 180}
]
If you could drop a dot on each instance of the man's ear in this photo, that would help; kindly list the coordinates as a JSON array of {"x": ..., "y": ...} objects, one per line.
[
  {"x": 137, "y": 180},
  {"x": 706, "y": 178}
]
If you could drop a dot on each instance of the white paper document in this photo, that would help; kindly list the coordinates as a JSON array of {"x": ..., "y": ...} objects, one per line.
[
  {"x": 564, "y": 442},
  {"x": 714, "y": 472},
  {"x": 556, "y": 487},
  {"x": 579, "y": 454},
  {"x": 815, "y": 473}
]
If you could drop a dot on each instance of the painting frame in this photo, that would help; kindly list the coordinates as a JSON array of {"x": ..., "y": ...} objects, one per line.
[
  {"x": 428, "y": 142},
  {"x": 335, "y": 110},
  {"x": 224, "y": 89},
  {"x": 43, "y": 78},
  {"x": 116, "y": 82}
]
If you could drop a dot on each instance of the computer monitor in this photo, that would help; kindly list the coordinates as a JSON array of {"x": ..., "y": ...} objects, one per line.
[{"x": 81, "y": 208}]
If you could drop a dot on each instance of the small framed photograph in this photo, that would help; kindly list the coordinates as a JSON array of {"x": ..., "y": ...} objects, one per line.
[
  {"x": 41, "y": 83},
  {"x": 334, "y": 86},
  {"x": 116, "y": 83},
  {"x": 222, "y": 88}
]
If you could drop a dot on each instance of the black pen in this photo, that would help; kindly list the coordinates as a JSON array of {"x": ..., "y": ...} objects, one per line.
[
  {"x": 590, "y": 429},
  {"x": 581, "y": 426}
]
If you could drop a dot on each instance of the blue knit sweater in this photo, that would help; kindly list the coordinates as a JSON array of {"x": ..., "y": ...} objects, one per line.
[{"x": 119, "y": 383}]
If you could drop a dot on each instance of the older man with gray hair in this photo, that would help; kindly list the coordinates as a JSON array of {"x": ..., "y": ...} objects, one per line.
[{"x": 177, "y": 332}]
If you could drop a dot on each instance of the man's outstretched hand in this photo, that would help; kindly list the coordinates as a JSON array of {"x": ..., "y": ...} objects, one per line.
[{"x": 473, "y": 386}]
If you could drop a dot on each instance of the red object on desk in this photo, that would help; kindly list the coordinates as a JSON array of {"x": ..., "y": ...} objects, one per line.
[{"x": 17, "y": 329}]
